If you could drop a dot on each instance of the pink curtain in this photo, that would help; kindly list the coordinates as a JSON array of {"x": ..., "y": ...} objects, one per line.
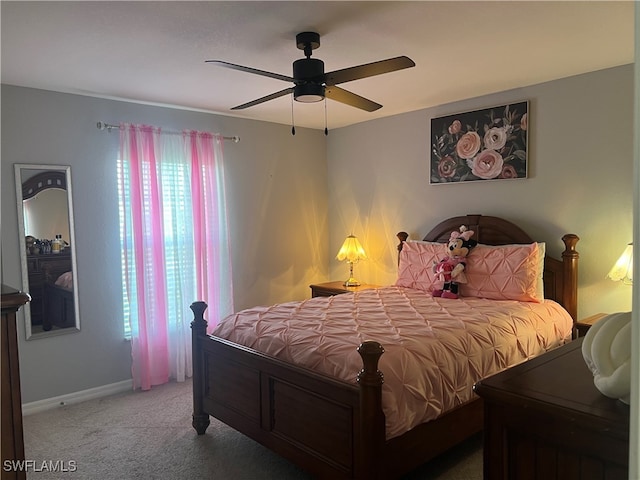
[
  {"x": 211, "y": 232},
  {"x": 175, "y": 244}
]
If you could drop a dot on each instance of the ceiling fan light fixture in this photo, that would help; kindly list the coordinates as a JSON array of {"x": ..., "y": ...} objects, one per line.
[{"x": 308, "y": 93}]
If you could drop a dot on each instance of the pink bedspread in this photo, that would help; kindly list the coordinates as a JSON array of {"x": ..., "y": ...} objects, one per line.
[{"x": 435, "y": 349}]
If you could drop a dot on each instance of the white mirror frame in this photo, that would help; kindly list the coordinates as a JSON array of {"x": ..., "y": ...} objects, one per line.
[{"x": 19, "y": 169}]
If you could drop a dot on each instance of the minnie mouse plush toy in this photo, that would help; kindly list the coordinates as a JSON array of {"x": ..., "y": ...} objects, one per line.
[{"x": 450, "y": 269}]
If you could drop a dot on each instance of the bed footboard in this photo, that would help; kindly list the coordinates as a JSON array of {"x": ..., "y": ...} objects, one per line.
[
  {"x": 59, "y": 307},
  {"x": 330, "y": 428}
]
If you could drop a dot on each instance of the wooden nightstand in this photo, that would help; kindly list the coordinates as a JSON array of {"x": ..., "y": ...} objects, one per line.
[
  {"x": 583, "y": 325},
  {"x": 336, "y": 288}
]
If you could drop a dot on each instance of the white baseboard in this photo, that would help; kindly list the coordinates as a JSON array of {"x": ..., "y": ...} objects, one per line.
[{"x": 76, "y": 397}]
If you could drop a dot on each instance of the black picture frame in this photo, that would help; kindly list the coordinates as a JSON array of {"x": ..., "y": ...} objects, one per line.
[{"x": 480, "y": 145}]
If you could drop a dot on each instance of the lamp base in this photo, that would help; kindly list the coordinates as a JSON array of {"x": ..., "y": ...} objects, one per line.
[{"x": 352, "y": 282}]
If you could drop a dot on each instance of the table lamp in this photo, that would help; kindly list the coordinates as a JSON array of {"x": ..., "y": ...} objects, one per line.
[
  {"x": 351, "y": 251},
  {"x": 623, "y": 268}
]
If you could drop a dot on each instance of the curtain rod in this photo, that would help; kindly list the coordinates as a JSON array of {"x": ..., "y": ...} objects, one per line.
[{"x": 109, "y": 127}]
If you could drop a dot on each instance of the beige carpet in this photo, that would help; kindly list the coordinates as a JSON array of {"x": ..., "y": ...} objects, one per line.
[{"x": 148, "y": 435}]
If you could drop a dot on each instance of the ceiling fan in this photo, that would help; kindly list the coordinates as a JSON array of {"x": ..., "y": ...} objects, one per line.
[{"x": 312, "y": 84}]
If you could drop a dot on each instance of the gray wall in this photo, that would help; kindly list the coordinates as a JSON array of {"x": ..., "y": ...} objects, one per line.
[
  {"x": 277, "y": 190},
  {"x": 580, "y": 180}
]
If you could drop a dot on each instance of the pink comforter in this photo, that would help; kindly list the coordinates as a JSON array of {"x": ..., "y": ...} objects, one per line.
[{"x": 435, "y": 349}]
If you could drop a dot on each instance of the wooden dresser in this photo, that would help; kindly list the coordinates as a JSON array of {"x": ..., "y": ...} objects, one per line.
[
  {"x": 545, "y": 419},
  {"x": 40, "y": 267},
  {"x": 12, "y": 445}
]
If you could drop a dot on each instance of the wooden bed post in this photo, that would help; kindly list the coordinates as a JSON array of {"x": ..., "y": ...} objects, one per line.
[
  {"x": 402, "y": 236},
  {"x": 570, "y": 275},
  {"x": 198, "y": 329},
  {"x": 372, "y": 420}
]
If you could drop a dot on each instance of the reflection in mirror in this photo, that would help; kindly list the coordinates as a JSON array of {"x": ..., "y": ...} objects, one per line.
[{"x": 47, "y": 249}]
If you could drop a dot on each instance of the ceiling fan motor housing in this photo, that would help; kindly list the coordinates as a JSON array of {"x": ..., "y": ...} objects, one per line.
[
  {"x": 307, "y": 69},
  {"x": 308, "y": 74}
]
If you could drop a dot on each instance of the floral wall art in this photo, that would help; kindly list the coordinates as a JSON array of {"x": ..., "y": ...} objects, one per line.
[{"x": 487, "y": 144}]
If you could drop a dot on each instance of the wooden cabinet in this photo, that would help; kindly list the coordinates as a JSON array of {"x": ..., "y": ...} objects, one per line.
[
  {"x": 545, "y": 420},
  {"x": 44, "y": 268},
  {"x": 12, "y": 439},
  {"x": 336, "y": 288}
]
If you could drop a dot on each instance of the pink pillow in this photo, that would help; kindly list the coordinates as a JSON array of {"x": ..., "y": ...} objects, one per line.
[
  {"x": 65, "y": 280},
  {"x": 416, "y": 264},
  {"x": 505, "y": 272}
]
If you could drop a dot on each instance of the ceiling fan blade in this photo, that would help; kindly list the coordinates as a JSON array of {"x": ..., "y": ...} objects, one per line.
[
  {"x": 258, "y": 101},
  {"x": 241, "y": 68},
  {"x": 343, "y": 96},
  {"x": 368, "y": 70}
]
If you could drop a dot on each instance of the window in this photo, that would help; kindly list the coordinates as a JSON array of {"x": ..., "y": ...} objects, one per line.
[{"x": 174, "y": 241}]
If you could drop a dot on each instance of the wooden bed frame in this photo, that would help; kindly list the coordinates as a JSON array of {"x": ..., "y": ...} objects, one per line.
[
  {"x": 58, "y": 301},
  {"x": 330, "y": 428},
  {"x": 59, "y": 307}
]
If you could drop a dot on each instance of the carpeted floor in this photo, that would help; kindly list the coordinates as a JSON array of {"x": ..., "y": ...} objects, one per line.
[{"x": 148, "y": 435}]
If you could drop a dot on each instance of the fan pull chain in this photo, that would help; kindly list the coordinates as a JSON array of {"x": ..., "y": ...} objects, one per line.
[
  {"x": 293, "y": 125},
  {"x": 326, "y": 130}
]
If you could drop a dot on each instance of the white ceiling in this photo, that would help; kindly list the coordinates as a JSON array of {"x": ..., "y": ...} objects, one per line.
[{"x": 154, "y": 52}]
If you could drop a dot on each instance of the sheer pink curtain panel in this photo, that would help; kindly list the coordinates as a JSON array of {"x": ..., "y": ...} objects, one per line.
[{"x": 175, "y": 244}]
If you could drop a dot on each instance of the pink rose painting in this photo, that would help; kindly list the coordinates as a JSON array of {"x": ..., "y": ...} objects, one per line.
[{"x": 489, "y": 144}]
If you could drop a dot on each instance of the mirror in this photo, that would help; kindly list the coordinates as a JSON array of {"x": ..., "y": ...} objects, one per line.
[{"x": 47, "y": 249}]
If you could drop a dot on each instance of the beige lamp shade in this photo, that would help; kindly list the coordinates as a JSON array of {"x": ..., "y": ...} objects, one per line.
[
  {"x": 623, "y": 268},
  {"x": 352, "y": 252}
]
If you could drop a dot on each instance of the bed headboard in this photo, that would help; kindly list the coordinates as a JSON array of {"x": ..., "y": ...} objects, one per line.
[{"x": 560, "y": 275}]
